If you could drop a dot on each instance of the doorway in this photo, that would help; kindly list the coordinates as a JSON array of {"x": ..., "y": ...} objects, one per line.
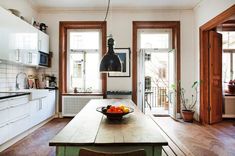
[
  {"x": 153, "y": 44},
  {"x": 212, "y": 90},
  {"x": 155, "y": 71}
]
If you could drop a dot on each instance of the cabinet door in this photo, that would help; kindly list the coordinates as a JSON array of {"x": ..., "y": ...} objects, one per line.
[
  {"x": 4, "y": 133},
  {"x": 35, "y": 112},
  {"x": 48, "y": 106},
  {"x": 15, "y": 36},
  {"x": 43, "y": 42},
  {"x": 4, "y": 111},
  {"x": 31, "y": 58},
  {"x": 19, "y": 125},
  {"x": 18, "y": 107},
  {"x": 52, "y": 104}
]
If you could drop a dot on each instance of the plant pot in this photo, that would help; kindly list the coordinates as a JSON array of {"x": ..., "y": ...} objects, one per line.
[{"x": 188, "y": 115}]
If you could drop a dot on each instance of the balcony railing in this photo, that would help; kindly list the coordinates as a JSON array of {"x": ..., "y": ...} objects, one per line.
[{"x": 156, "y": 97}]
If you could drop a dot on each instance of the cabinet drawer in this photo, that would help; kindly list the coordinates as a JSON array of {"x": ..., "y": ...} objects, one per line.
[
  {"x": 18, "y": 126},
  {"x": 3, "y": 133},
  {"x": 18, "y": 110},
  {"x": 4, "y": 114},
  {"x": 18, "y": 101},
  {"x": 4, "y": 103},
  {"x": 4, "y": 111}
]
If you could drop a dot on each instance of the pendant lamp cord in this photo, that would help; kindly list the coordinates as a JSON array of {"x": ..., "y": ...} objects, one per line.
[{"x": 107, "y": 11}]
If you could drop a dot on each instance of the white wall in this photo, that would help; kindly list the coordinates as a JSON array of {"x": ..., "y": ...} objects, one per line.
[
  {"x": 120, "y": 25},
  {"x": 24, "y": 6},
  {"x": 204, "y": 12}
]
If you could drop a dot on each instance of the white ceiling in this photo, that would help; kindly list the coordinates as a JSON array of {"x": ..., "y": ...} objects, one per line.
[{"x": 138, "y": 4}]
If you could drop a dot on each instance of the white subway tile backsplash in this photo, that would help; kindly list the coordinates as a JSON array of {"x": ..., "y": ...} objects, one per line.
[{"x": 8, "y": 72}]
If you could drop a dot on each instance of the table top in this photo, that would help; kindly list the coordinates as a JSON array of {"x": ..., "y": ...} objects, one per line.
[{"x": 90, "y": 127}]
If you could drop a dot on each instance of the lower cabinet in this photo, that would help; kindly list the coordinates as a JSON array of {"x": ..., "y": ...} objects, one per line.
[
  {"x": 3, "y": 133},
  {"x": 42, "y": 109},
  {"x": 19, "y": 114},
  {"x": 19, "y": 125},
  {"x": 48, "y": 105},
  {"x": 15, "y": 116},
  {"x": 35, "y": 111}
]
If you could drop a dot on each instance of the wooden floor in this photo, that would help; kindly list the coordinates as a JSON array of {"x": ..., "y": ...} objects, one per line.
[
  {"x": 199, "y": 140},
  {"x": 37, "y": 143},
  {"x": 184, "y": 139}
]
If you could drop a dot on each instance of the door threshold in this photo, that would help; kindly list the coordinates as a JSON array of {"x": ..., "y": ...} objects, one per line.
[{"x": 161, "y": 115}]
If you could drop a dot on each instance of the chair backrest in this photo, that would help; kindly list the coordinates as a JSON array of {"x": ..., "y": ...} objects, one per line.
[{"x": 87, "y": 152}]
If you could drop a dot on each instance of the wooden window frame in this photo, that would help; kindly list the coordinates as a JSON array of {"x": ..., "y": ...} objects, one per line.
[
  {"x": 175, "y": 26},
  {"x": 63, "y": 27},
  {"x": 204, "y": 61}
]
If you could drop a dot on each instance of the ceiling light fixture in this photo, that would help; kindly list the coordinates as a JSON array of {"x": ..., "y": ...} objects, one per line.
[{"x": 110, "y": 61}]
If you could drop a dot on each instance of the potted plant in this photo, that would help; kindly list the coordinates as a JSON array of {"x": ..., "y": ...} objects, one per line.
[
  {"x": 188, "y": 104},
  {"x": 231, "y": 86}
]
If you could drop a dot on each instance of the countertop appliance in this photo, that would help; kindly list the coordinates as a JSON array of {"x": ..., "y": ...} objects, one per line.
[
  {"x": 43, "y": 59},
  {"x": 51, "y": 82}
]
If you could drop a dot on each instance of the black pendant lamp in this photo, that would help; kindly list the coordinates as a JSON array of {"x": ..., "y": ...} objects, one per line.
[{"x": 110, "y": 61}]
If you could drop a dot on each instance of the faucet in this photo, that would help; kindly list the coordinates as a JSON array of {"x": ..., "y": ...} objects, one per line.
[{"x": 26, "y": 85}]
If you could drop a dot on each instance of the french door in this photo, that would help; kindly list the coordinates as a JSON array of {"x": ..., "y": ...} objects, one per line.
[
  {"x": 172, "y": 81},
  {"x": 141, "y": 95}
]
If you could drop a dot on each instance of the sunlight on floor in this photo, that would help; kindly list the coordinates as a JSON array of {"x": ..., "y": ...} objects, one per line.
[{"x": 157, "y": 111}]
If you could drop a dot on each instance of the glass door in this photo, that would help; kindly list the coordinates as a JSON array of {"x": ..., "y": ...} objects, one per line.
[{"x": 172, "y": 81}]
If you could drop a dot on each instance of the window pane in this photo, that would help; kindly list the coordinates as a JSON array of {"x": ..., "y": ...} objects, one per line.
[
  {"x": 232, "y": 72},
  {"x": 76, "y": 70},
  {"x": 153, "y": 40},
  {"x": 226, "y": 67},
  {"x": 228, "y": 40},
  {"x": 84, "y": 40},
  {"x": 93, "y": 79}
]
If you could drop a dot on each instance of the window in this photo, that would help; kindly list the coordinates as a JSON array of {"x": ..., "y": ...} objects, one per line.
[
  {"x": 228, "y": 39},
  {"x": 228, "y": 55},
  {"x": 84, "y": 54},
  {"x": 155, "y": 39},
  {"x": 228, "y": 65}
]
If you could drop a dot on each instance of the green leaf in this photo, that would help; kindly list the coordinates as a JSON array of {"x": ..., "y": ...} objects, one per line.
[{"x": 173, "y": 86}]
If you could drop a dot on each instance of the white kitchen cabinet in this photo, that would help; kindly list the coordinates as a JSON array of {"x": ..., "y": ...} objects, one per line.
[
  {"x": 18, "y": 107},
  {"x": 43, "y": 42},
  {"x": 14, "y": 114},
  {"x": 18, "y": 126},
  {"x": 4, "y": 111},
  {"x": 48, "y": 105},
  {"x": 42, "y": 109},
  {"x": 31, "y": 58},
  {"x": 18, "y": 114},
  {"x": 4, "y": 133},
  {"x": 16, "y": 36},
  {"x": 35, "y": 112}
]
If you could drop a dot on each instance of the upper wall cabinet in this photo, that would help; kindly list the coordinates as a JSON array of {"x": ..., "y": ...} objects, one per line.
[
  {"x": 20, "y": 41},
  {"x": 43, "y": 42}
]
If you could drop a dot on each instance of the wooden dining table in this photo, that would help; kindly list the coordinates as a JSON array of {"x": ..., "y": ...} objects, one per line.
[{"x": 92, "y": 130}]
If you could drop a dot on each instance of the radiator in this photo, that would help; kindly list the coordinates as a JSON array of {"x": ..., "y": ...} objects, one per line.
[
  {"x": 229, "y": 107},
  {"x": 71, "y": 105}
]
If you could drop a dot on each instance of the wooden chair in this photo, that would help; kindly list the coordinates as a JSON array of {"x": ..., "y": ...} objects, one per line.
[{"x": 87, "y": 152}]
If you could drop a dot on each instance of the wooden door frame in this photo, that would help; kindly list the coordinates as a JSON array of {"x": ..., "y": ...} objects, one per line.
[
  {"x": 175, "y": 26},
  {"x": 63, "y": 27},
  {"x": 204, "y": 61}
]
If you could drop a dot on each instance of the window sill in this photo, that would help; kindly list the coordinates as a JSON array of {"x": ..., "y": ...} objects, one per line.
[{"x": 82, "y": 94}]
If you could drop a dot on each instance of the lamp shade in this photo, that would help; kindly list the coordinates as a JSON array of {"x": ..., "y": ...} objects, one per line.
[{"x": 110, "y": 61}]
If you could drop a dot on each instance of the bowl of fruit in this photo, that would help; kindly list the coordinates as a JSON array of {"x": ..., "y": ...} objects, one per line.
[{"x": 115, "y": 112}]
